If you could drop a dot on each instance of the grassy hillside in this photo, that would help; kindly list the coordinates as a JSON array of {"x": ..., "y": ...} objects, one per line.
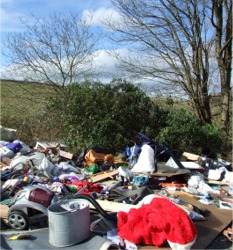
[
  {"x": 22, "y": 99},
  {"x": 21, "y": 103}
]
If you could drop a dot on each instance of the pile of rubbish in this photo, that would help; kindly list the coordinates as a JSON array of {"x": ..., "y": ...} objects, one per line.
[{"x": 46, "y": 182}]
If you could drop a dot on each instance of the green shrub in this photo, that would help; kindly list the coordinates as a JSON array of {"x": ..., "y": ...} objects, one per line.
[
  {"x": 185, "y": 132},
  {"x": 106, "y": 115},
  {"x": 213, "y": 138}
]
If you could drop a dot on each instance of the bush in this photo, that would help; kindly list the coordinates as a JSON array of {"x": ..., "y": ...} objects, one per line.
[
  {"x": 214, "y": 139},
  {"x": 185, "y": 132},
  {"x": 106, "y": 115}
]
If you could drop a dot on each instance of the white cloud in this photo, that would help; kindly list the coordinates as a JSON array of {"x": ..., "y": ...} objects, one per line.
[
  {"x": 101, "y": 14},
  {"x": 105, "y": 67},
  {"x": 104, "y": 59}
]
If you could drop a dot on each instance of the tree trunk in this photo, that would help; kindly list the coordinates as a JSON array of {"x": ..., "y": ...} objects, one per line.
[{"x": 222, "y": 12}]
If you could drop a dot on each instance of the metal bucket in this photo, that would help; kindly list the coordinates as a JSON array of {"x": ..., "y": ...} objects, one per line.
[{"x": 69, "y": 222}]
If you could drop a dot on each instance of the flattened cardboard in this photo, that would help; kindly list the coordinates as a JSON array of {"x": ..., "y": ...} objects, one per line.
[{"x": 217, "y": 221}]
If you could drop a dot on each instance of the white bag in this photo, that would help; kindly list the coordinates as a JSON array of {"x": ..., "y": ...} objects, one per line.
[
  {"x": 146, "y": 161},
  {"x": 38, "y": 163}
]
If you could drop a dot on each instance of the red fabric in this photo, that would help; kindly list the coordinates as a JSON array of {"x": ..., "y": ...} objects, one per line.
[
  {"x": 155, "y": 223},
  {"x": 90, "y": 186}
]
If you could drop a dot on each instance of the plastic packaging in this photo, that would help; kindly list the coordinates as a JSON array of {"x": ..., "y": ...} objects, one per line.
[
  {"x": 14, "y": 146},
  {"x": 5, "y": 151}
]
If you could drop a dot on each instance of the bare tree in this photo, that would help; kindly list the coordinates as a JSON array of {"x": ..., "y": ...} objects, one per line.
[
  {"x": 58, "y": 50},
  {"x": 170, "y": 43},
  {"x": 222, "y": 22}
]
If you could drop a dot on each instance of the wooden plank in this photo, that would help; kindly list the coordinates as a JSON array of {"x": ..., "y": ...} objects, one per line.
[
  {"x": 65, "y": 154},
  {"x": 112, "y": 206},
  {"x": 217, "y": 182},
  {"x": 103, "y": 175},
  {"x": 159, "y": 174},
  {"x": 190, "y": 156},
  {"x": 4, "y": 211}
]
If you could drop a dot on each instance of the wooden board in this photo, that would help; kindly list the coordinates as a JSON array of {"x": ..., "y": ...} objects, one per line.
[
  {"x": 103, "y": 175},
  {"x": 190, "y": 156},
  {"x": 159, "y": 174},
  {"x": 112, "y": 206},
  {"x": 66, "y": 155},
  {"x": 4, "y": 211},
  {"x": 209, "y": 181}
]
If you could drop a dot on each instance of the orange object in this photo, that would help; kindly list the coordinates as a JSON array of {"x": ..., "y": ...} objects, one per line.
[
  {"x": 93, "y": 157},
  {"x": 26, "y": 178},
  {"x": 173, "y": 184}
]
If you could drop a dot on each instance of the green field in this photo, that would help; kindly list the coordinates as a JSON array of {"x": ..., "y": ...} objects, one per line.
[{"x": 24, "y": 99}]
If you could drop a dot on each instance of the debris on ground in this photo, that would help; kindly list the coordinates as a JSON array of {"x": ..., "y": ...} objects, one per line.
[{"x": 140, "y": 197}]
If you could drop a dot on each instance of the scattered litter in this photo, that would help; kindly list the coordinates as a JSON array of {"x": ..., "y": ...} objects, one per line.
[{"x": 34, "y": 179}]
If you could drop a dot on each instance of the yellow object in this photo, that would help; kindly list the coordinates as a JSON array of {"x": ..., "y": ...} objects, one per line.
[
  {"x": 25, "y": 179},
  {"x": 19, "y": 236}
]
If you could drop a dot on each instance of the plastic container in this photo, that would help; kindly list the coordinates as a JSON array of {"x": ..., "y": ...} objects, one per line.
[
  {"x": 5, "y": 151},
  {"x": 69, "y": 222}
]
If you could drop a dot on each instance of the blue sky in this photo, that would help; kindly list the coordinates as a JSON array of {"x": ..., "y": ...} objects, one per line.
[{"x": 14, "y": 10}]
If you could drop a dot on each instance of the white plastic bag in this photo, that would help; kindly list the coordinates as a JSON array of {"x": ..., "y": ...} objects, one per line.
[
  {"x": 146, "y": 161},
  {"x": 65, "y": 166},
  {"x": 48, "y": 168}
]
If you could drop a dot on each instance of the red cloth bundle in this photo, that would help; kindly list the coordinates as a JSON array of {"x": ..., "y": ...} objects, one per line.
[{"x": 156, "y": 223}]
